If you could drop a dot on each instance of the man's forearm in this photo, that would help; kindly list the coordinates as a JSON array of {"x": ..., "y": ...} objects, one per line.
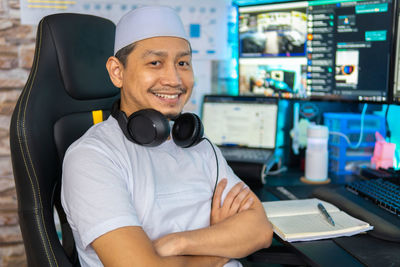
[{"x": 235, "y": 237}]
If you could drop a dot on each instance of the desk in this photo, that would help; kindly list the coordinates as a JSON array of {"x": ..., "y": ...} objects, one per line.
[{"x": 368, "y": 251}]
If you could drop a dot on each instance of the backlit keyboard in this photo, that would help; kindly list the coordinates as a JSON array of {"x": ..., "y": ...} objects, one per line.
[{"x": 385, "y": 192}]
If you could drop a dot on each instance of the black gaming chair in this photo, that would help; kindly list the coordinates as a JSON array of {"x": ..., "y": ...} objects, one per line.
[{"x": 67, "y": 82}]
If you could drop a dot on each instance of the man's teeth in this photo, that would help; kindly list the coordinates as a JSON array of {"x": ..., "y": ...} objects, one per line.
[{"x": 167, "y": 96}]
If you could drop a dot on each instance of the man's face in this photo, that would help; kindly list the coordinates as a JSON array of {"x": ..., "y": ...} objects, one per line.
[{"x": 159, "y": 75}]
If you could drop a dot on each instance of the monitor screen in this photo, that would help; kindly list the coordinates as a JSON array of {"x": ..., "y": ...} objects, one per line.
[
  {"x": 240, "y": 120},
  {"x": 321, "y": 49}
]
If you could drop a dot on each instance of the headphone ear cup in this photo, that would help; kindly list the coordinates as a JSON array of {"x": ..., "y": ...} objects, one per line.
[
  {"x": 187, "y": 130},
  {"x": 122, "y": 119},
  {"x": 148, "y": 127}
]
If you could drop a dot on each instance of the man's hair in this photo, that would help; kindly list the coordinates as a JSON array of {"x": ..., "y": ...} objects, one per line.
[{"x": 123, "y": 53}]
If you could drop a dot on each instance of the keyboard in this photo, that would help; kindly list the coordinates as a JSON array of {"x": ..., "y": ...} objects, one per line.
[
  {"x": 384, "y": 192},
  {"x": 246, "y": 154}
]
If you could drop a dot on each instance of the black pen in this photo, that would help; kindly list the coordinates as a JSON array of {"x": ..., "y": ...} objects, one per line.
[{"x": 326, "y": 214}]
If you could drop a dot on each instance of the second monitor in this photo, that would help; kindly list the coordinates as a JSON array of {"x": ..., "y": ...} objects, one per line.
[{"x": 318, "y": 49}]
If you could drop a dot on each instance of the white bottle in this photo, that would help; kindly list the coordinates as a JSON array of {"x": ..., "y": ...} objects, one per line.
[{"x": 316, "y": 168}]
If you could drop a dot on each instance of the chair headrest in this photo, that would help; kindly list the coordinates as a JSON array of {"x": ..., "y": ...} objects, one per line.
[{"x": 83, "y": 44}]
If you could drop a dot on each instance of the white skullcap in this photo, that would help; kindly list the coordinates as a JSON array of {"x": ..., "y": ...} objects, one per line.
[{"x": 147, "y": 22}]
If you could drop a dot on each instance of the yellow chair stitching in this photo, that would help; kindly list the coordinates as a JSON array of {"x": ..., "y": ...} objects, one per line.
[{"x": 28, "y": 153}]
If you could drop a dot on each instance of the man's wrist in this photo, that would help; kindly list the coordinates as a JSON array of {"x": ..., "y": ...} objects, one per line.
[
  {"x": 187, "y": 244},
  {"x": 179, "y": 243},
  {"x": 222, "y": 262},
  {"x": 170, "y": 245}
]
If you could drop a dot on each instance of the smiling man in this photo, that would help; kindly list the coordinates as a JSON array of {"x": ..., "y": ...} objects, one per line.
[
  {"x": 136, "y": 205},
  {"x": 158, "y": 74}
]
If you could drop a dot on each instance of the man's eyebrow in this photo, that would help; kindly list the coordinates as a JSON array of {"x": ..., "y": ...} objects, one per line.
[
  {"x": 164, "y": 54},
  {"x": 183, "y": 54},
  {"x": 155, "y": 53}
]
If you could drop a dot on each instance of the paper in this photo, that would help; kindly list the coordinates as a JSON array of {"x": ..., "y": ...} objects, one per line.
[{"x": 300, "y": 220}]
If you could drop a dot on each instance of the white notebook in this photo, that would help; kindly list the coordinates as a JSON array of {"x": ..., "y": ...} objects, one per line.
[{"x": 301, "y": 220}]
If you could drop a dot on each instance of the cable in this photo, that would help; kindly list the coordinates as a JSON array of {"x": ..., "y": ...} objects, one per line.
[
  {"x": 278, "y": 171},
  {"x": 266, "y": 170},
  {"x": 361, "y": 130},
  {"x": 265, "y": 173},
  {"x": 216, "y": 160}
]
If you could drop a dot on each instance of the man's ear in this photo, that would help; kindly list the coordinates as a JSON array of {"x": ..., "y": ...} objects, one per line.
[{"x": 115, "y": 71}]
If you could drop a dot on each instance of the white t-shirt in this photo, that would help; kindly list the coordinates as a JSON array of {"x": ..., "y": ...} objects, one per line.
[{"x": 109, "y": 182}]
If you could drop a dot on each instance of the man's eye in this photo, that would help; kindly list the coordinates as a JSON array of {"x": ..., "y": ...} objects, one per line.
[
  {"x": 155, "y": 63},
  {"x": 183, "y": 63}
]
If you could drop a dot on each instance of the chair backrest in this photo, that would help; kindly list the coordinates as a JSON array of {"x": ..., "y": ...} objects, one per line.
[{"x": 67, "y": 82}]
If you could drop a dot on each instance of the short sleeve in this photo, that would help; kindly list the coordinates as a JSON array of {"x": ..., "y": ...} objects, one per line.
[{"x": 95, "y": 193}]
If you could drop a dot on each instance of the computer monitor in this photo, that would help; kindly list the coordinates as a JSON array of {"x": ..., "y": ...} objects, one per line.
[{"x": 348, "y": 51}]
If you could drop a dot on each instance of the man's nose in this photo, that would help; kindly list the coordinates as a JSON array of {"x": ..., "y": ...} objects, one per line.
[{"x": 171, "y": 76}]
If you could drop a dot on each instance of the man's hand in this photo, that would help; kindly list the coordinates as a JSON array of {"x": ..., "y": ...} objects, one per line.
[{"x": 236, "y": 201}]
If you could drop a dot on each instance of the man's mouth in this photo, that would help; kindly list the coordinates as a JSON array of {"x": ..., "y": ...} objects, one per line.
[{"x": 167, "y": 96}]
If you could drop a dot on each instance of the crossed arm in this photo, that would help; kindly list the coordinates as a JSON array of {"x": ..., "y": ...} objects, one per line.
[{"x": 237, "y": 228}]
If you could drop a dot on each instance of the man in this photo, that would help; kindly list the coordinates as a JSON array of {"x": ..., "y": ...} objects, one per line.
[{"x": 133, "y": 205}]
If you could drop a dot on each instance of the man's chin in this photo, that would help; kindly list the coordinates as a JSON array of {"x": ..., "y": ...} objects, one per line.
[
  {"x": 171, "y": 112},
  {"x": 171, "y": 116}
]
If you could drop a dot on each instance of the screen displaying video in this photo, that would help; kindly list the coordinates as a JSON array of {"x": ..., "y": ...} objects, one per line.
[
  {"x": 278, "y": 77},
  {"x": 272, "y": 56},
  {"x": 273, "y": 30}
]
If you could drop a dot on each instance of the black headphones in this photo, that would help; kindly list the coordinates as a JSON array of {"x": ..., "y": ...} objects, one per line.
[{"x": 149, "y": 127}]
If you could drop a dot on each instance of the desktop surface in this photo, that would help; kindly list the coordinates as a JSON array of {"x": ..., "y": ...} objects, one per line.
[{"x": 358, "y": 250}]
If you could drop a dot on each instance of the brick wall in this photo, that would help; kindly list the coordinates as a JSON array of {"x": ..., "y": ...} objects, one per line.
[{"x": 17, "y": 43}]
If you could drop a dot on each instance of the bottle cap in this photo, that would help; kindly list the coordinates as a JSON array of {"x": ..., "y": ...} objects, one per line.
[{"x": 317, "y": 131}]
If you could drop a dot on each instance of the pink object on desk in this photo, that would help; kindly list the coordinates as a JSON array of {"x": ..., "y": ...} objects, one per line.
[{"x": 383, "y": 153}]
